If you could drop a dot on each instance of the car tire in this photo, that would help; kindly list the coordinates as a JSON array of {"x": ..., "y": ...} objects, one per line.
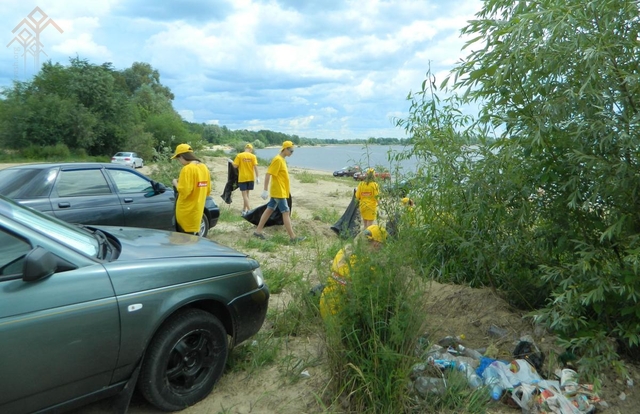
[
  {"x": 184, "y": 361},
  {"x": 204, "y": 226}
]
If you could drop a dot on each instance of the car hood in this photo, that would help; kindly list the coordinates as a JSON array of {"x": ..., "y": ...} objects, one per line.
[{"x": 138, "y": 243}]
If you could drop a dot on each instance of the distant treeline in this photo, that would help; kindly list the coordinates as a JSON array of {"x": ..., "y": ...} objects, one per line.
[{"x": 96, "y": 110}]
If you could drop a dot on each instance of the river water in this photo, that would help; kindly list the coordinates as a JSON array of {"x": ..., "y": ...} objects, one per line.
[{"x": 334, "y": 157}]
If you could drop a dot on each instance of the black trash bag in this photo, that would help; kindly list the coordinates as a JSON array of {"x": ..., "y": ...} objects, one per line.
[
  {"x": 349, "y": 224},
  {"x": 253, "y": 216},
  {"x": 232, "y": 182},
  {"x": 529, "y": 352}
]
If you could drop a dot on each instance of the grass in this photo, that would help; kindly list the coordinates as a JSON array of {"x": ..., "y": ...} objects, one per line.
[
  {"x": 327, "y": 215},
  {"x": 264, "y": 246},
  {"x": 228, "y": 215},
  {"x": 306, "y": 177},
  {"x": 262, "y": 350}
]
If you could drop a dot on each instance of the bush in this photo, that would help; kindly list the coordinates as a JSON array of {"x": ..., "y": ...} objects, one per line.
[{"x": 371, "y": 340}]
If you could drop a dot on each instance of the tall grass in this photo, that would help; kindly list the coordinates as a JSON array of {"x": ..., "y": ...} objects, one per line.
[{"x": 371, "y": 340}]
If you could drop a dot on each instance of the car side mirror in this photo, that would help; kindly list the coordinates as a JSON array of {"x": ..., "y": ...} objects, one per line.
[
  {"x": 156, "y": 188},
  {"x": 38, "y": 264}
]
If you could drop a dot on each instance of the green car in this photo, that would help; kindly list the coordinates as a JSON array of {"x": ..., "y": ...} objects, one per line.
[{"x": 89, "y": 312}]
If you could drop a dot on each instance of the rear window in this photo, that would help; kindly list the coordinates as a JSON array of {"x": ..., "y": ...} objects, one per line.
[{"x": 26, "y": 183}]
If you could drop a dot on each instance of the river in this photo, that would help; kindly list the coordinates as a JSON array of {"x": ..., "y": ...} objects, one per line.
[{"x": 334, "y": 157}]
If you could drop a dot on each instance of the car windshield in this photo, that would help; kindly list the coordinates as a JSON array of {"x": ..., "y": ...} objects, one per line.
[
  {"x": 123, "y": 154},
  {"x": 65, "y": 233}
]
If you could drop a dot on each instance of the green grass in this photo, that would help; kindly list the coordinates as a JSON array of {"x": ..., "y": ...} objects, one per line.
[
  {"x": 228, "y": 215},
  {"x": 278, "y": 278},
  {"x": 307, "y": 177},
  {"x": 264, "y": 246},
  {"x": 327, "y": 215},
  {"x": 261, "y": 350}
]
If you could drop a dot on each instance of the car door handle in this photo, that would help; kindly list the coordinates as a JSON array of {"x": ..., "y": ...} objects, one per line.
[
  {"x": 64, "y": 205},
  {"x": 128, "y": 200}
]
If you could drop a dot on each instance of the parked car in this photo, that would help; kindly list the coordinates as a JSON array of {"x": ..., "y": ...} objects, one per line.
[
  {"x": 94, "y": 311},
  {"x": 346, "y": 171},
  {"x": 360, "y": 176},
  {"x": 98, "y": 193},
  {"x": 130, "y": 159}
]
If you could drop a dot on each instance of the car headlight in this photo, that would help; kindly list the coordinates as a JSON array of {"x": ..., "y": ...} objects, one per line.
[{"x": 257, "y": 275}]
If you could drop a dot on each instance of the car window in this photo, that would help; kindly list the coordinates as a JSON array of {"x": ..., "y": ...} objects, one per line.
[
  {"x": 82, "y": 183},
  {"x": 27, "y": 182},
  {"x": 12, "y": 253},
  {"x": 128, "y": 182}
]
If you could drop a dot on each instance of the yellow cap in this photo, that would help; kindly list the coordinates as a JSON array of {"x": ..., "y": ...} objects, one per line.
[
  {"x": 181, "y": 149},
  {"x": 249, "y": 146},
  {"x": 286, "y": 144},
  {"x": 375, "y": 233}
]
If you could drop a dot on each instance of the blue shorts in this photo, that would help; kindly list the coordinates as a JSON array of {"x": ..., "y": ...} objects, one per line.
[
  {"x": 278, "y": 204},
  {"x": 247, "y": 185}
]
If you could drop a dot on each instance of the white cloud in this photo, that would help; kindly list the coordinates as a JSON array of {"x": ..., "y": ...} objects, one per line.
[
  {"x": 84, "y": 46},
  {"x": 321, "y": 69}
]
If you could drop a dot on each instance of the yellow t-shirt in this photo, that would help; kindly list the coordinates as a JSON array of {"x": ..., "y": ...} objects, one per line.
[
  {"x": 194, "y": 185},
  {"x": 246, "y": 162},
  {"x": 367, "y": 195},
  {"x": 279, "y": 178}
]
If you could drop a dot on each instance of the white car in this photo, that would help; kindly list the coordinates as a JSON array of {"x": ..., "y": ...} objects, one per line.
[{"x": 130, "y": 159}]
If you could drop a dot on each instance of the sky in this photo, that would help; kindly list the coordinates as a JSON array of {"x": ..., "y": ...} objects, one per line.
[{"x": 336, "y": 69}]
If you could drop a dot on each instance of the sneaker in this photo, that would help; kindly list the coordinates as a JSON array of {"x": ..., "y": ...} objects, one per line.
[
  {"x": 259, "y": 235},
  {"x": 297, "y": 239}
]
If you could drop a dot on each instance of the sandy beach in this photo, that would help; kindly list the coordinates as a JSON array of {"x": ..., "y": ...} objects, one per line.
[{"x": 452, "y": 310}]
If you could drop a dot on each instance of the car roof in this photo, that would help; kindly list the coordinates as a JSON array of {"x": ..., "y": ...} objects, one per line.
[{"x": 65, "y": 165}]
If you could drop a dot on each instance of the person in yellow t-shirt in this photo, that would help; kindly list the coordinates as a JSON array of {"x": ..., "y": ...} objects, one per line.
[
  {"x": 279, "y": 192},
  {"x": 343, "y": 262},
  {"x": 367, "y": 196},
  {"x": 193, "y": 185},
  {"x": 247, "y": 165}
]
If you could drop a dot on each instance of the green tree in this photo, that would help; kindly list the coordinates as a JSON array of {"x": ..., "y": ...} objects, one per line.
[
  {"x": 143, "y": 74},
  {"x": 553, "y": 202}
]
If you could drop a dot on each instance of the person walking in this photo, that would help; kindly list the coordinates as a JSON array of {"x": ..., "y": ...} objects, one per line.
[
  {"x": 247, "y": 165},
  {"x": 193, "y": 186},
  {"x": 279, "y": 192},
  {"x": 367, "y": 196}
]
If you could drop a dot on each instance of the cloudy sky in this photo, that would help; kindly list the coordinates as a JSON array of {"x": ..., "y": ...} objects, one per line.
[{"x": 314, "y": 68}]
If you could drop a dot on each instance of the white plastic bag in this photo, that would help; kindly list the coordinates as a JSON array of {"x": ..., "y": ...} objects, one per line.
[{"x": 524, "y": 371}]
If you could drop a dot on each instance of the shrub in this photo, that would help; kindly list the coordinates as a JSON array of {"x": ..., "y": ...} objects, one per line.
[{"x": 371, "y": 340}]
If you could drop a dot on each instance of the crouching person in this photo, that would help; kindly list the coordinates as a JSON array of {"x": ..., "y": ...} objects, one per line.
[{"x": 340, "y": 278}]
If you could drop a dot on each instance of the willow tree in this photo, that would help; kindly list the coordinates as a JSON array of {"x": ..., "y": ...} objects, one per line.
[{"x": 558, "y": 82}]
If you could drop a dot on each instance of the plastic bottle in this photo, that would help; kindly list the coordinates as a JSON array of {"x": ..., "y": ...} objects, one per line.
[
  {"x": 472, "y": 378},
  {"x": 492, "y": 379},
  {"x": 442, "y": 363},
  {"x": 471, "y": 353}
]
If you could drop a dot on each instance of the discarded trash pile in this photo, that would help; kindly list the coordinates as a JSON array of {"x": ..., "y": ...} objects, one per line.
[{"x": 517, "y": 383}]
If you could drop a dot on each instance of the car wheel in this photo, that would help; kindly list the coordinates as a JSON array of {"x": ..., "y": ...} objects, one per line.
[
  {"x": 204, "y": 226},
  {"x": 184, "y": 360}
]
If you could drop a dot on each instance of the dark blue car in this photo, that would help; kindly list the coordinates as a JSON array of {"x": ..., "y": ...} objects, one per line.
[{"x": 98, "y": 193}]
